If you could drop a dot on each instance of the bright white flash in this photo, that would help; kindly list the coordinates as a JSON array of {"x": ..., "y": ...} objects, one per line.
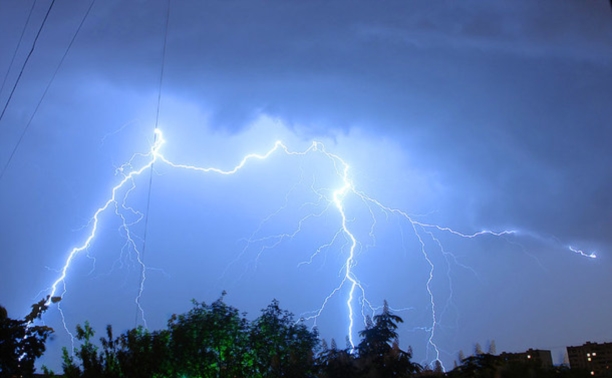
[
  {"x": 356, "y": 301},
  {"x": 591, "y": 255}
]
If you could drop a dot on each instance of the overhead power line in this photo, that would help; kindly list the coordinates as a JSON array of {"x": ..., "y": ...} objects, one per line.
[
  {"x": 27, "y": 126},
  {"x": 42, "y": 25},
  {"x": 148, "y": 206},
  {"x": 25, "y": 26}
]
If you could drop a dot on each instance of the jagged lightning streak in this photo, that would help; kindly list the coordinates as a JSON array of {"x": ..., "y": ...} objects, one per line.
[
  {"x": 356, "y": 292},
  {"x": 95, "y": 220},
  {"x": 153, "y": 155},
  {"x": 591, "y": 255},
  {"x": 339, "y": 196}
]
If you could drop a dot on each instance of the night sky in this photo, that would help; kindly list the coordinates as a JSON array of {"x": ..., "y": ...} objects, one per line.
[{"x": 471, "y": 115}]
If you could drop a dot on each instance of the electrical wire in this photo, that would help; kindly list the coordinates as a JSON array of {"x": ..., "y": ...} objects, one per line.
[
  {"x": 148, "y": 206},
  {"x": 25, "y": 130},
  {"x": 25, "y": 26},
  {"x": 42, "y": 25}
]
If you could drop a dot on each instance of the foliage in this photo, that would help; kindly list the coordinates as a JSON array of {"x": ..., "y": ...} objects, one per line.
[
  {"x": 379, "y": 351},
  {"x": 486, "y": 365},
  {"x": 210, "y": 341},
  {"x": 478, "y": 365},
  {"x": 21, "y": 342},
  {"x": 281, "y": 346},
  {"x": 215, "y": 340},
  {"x": 336, "y": 363},
  {"x": 144, "y": 354},
  {"x": 94, "y": 362}
]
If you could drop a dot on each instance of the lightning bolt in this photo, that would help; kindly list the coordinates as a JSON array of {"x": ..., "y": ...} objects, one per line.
[
  {"x": 591, "y": 255},
  {"x": 356, "y": 300}
]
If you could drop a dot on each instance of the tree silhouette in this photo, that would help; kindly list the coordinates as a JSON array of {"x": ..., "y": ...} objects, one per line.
[
  {"x": 93, "y": 361},
  {"x": 144, "y": 354},
  {"x": 21, "y": 342},
  {"x": 487, "y": 365},
  {"x": 282, "y": 347},
  {"x": 336, "y": 363},
  {"x": 379, "y": 352},
  {"x": 478, "y": 365},
  {"x": 492, "y": 348},
  {"x": 461, "y": 356},
  {"x": 210, "y": 341}
]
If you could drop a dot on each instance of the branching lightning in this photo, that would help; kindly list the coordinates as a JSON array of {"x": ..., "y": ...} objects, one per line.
[{"x": 356, "y": 301}]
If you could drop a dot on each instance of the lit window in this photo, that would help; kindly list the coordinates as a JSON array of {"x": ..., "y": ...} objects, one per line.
[
  {"x": 592, "y": 373},
  {"x": 588, "y": 354},
  {"x": 594, "y": 354},
  {"x": 589, "y": 359},
  {"x": 528, "y": 356}
]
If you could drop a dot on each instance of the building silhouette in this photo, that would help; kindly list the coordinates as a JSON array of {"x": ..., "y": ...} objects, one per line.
[
  {"x": 540, "y": 357},
  {"x": 592, "y": 357}
]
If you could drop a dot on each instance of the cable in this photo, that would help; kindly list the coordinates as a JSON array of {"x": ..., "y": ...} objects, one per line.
[
  {"x": 148, "y": 206},
  {"x": 25, "y": 26},
  {"x": 163, "y": 65},
  {"x": 24, "y": 131},
  {"x": 26, "y": 60}
]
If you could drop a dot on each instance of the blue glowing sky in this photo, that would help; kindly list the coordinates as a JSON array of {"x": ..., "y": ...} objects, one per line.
[{"x": 470, "y": 116}]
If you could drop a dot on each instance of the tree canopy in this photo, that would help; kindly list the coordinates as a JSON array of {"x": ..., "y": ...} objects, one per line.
[
  {"x": 22, "y": 342},
  {"x": 216, "y": 340},
  {"x": 210, "y": 340}
]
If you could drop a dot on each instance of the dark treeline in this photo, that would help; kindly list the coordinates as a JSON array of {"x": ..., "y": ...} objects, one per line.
[{"x": 216, "y": 340}]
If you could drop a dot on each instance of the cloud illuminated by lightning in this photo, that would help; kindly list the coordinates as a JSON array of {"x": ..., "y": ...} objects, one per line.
[{"x": 356, "y": 300}]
